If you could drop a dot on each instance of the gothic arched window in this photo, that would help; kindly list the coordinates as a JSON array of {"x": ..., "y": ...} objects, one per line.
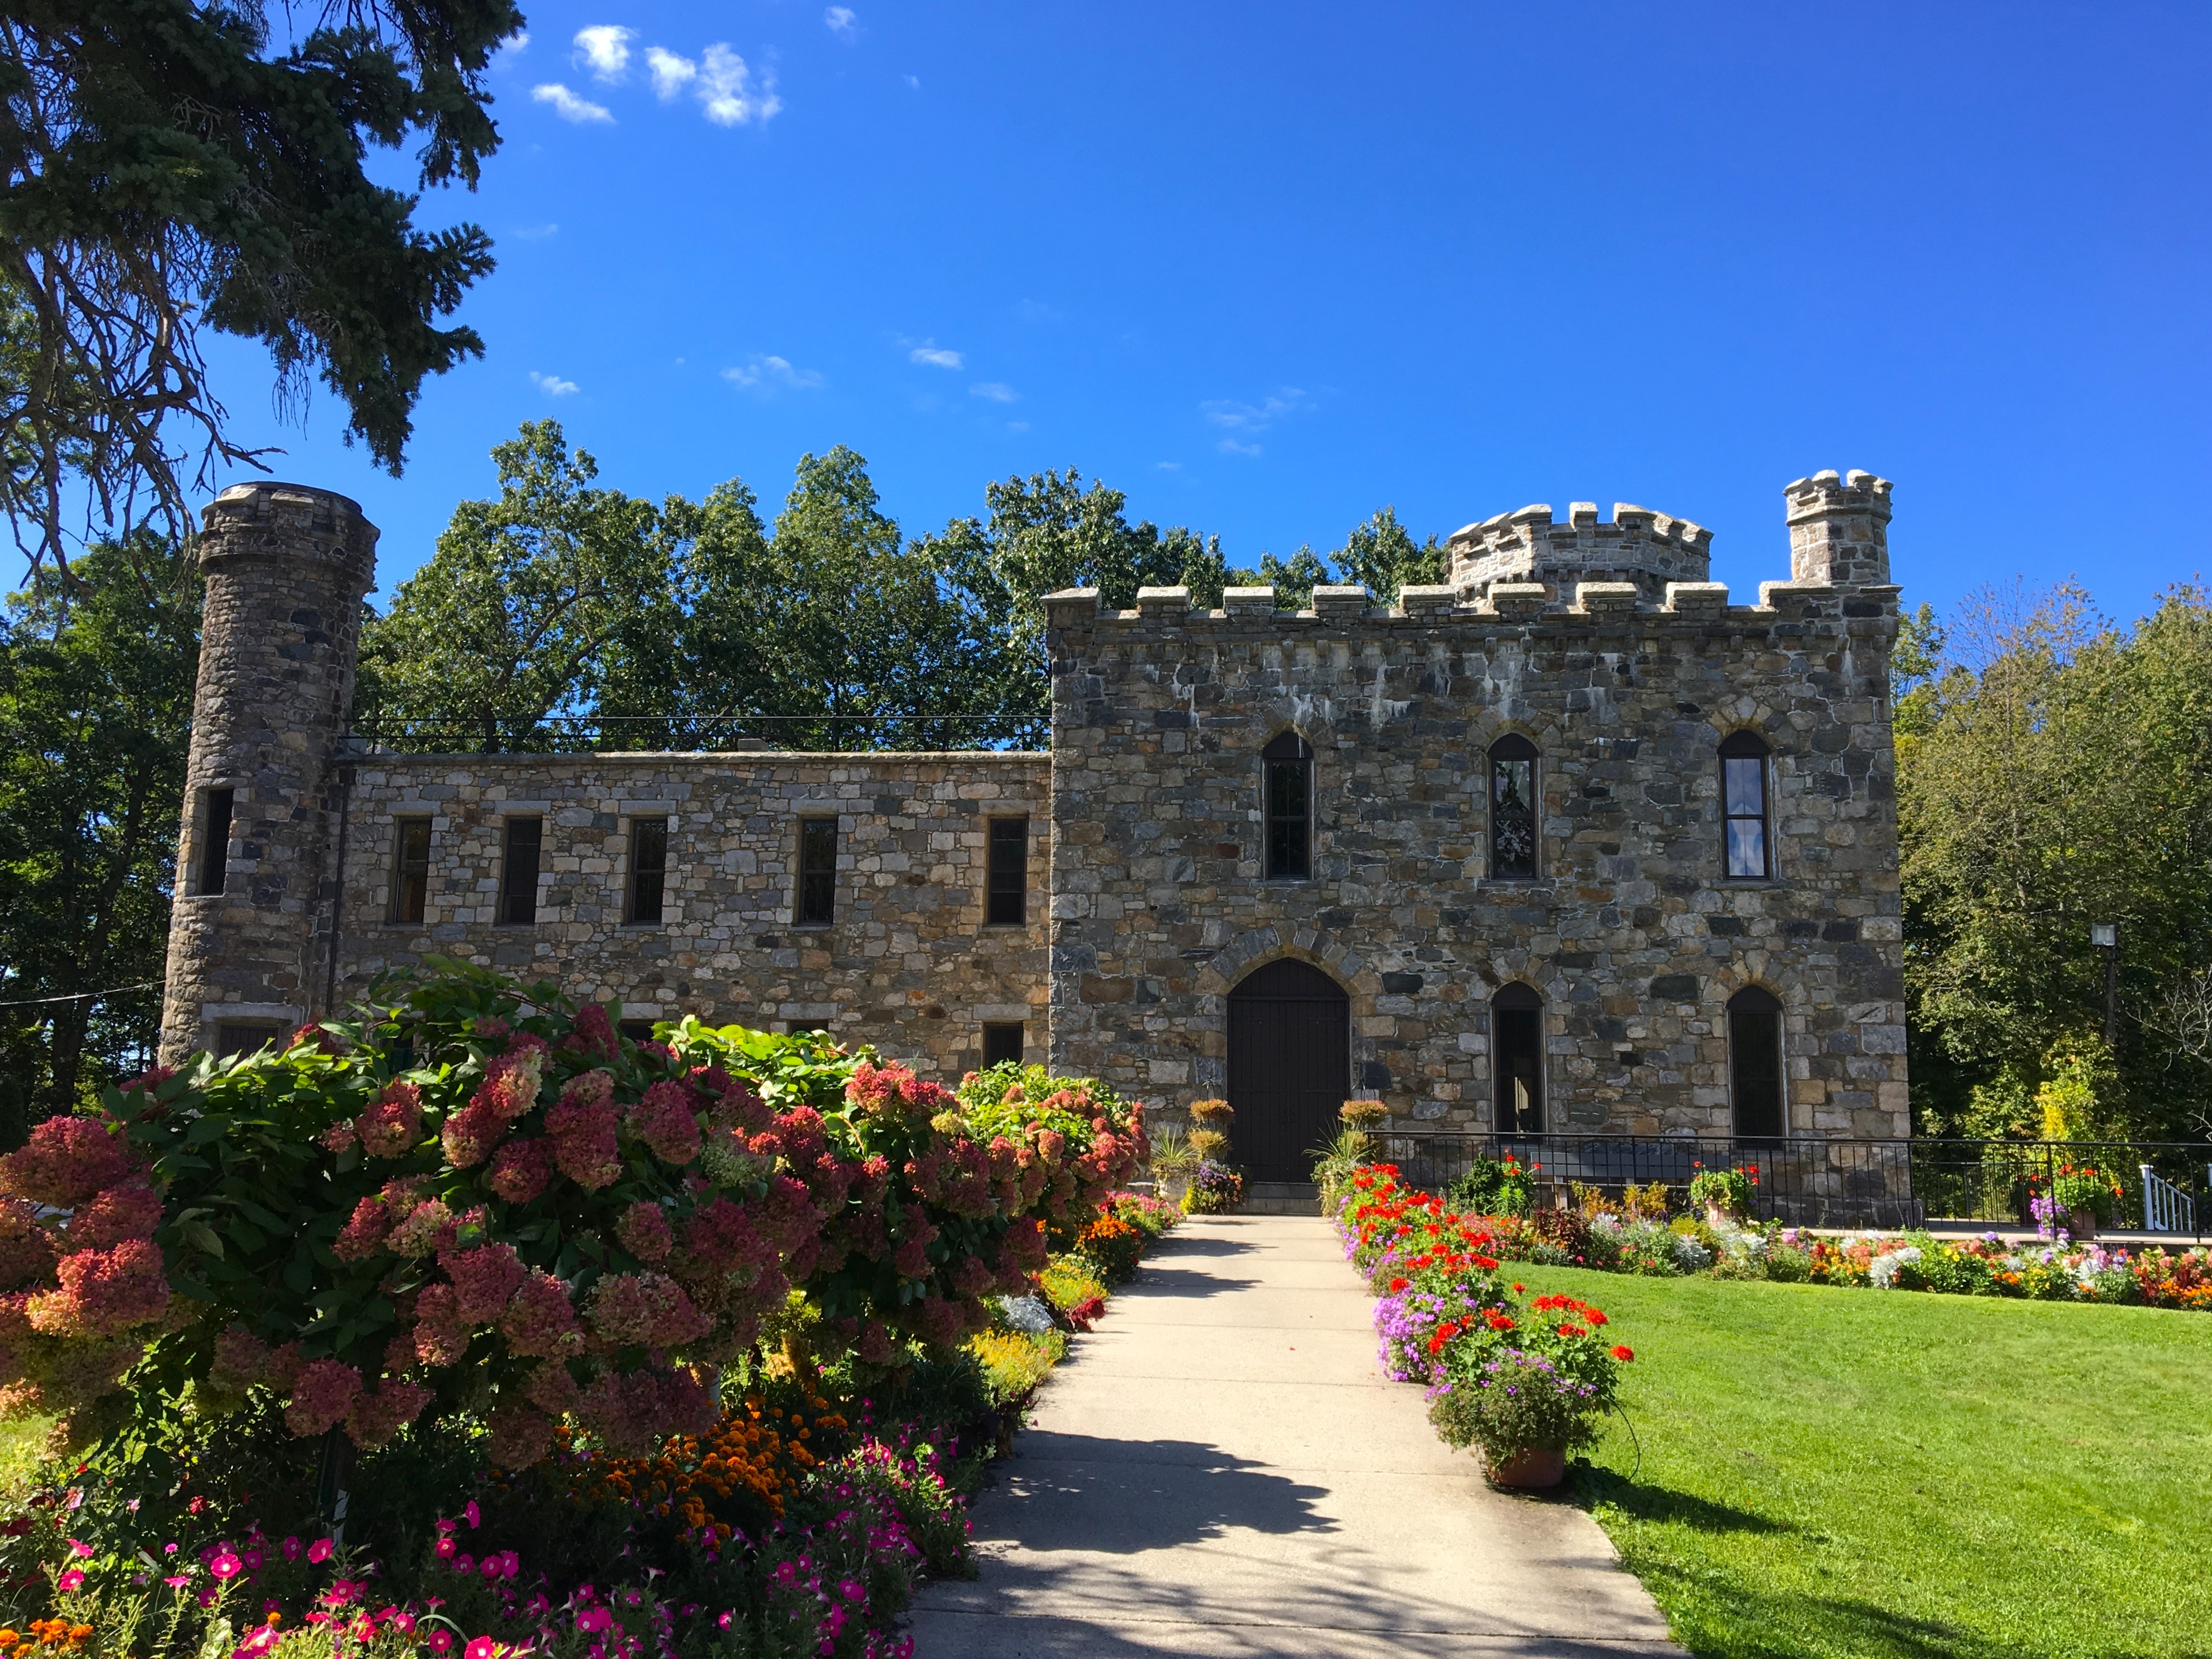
[
  {"x": 1744, "y": 849},
  {"x": 1755, "y": 1021},
  {"x": 1286, "y": 776},
  {"x": 1513, "y": 809},
  {"x": 1516, "y": 1048}
]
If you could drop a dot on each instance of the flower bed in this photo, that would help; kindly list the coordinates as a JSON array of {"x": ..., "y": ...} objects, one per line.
[
  {"x": 2054, "y": 1269},
  {"x": 689, "y": 1345},
  {"x": 1512, "y": 1374}
]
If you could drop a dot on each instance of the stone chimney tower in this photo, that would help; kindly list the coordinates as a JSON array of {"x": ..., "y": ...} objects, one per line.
[
  {"x": 287, "y": 568},
  {"x": 1839, "y": 530}
]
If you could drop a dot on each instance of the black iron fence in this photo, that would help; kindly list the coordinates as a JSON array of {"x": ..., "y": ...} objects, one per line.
[{"x": 2165, "y": 1186}]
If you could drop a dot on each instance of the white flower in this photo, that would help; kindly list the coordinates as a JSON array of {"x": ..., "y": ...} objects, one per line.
[
  {"x": 1026, "y": 1314},
  {"x": 1882, "y": 1270}
]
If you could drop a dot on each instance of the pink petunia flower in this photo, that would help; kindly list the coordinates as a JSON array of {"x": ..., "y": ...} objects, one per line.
[
  {"x": 319, "y": 1551},
  {"x": 472, "y": 1514},
  {"x": 71, "y": 1580},
  {"x": 291, "y": 1549},
  {"x": 441, "y": 1641},
  {"x": 483, "y": 1648},
  {"x": 226, "y": 1565}
]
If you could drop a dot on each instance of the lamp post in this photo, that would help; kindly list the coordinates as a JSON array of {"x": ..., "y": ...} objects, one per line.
[{"x": 2106, "y": 936}]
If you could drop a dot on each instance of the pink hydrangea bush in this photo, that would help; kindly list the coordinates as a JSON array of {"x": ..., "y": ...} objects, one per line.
[{"x": 475, "y": 1200}]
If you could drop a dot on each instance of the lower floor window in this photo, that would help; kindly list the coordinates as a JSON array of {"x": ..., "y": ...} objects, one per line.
[
  {"x": 1002, "y": 1042},
  {"x": 241, "y": 1036},
  {"x": 1755, "y": 1063},
  {"x": 1516, "y": 1039}
]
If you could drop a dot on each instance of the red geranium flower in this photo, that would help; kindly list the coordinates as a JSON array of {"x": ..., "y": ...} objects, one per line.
[{"x": 1622, "y": 1351}]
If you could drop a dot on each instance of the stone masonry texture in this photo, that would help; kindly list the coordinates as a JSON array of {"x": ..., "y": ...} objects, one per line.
[
  {"x": 286, "y": 568},
  {"x": 1598, "y": 640}
]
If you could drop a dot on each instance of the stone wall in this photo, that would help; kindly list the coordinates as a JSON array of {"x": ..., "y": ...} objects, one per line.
[
  {"x": 1631, "y": 935},
  {"x": 907, "y": 963}
]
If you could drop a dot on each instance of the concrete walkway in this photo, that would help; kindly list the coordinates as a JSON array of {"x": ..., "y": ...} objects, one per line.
[{"x": 1221, "y": 1469}]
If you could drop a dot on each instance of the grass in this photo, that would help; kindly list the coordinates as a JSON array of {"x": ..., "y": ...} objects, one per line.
[{"x": 1889, "y": 1476}]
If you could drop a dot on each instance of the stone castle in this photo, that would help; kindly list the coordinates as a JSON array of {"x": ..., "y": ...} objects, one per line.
[{"x": 1568, "y": 844}]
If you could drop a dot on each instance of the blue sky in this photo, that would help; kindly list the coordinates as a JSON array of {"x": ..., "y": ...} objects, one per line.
[{"x": 1266, "y": 268}]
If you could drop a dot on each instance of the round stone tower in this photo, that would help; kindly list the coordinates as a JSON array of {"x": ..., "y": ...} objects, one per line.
[{"x": 287, "y": 567}]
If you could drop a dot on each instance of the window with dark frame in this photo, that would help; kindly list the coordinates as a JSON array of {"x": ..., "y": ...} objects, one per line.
[
  {"x": 1002, "y": 1042},
  {"x": 1006, "y": 899},
  {"x": 1517, "y": 1042},
  {"x": 1513, "y": 809},
  {"x": 648, "y": 870},
  {"x": 1743, "y": 807},
  {"x": 244, "y": 1037},
  {"x": 411, "y": 870},
  {"x": 636, "y": 1030},
  {"x": 1287, "y": 768},
  {"x": 517, "y": 875},
  {"x": 1754, "y": 1017},
  {"x": 817, "y": 873},
  {"x": 216, "y": 805}
]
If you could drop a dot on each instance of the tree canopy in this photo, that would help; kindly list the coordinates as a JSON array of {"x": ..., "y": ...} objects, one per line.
[
  {"x": 96, "y": 707},
  {"x": 169, "y": 167},
  {"x": 2054, "y": 771}
]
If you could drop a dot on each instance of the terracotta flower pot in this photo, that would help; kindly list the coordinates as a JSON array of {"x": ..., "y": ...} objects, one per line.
[
  {"x": 1532, "y": 1471},
  {"x": 1718, "y": 1217},
  {"x": 2082, "y": 1223}
]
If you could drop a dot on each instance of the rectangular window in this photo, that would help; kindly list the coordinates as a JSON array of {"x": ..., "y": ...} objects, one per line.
[
  {"x": 1006, "y": 903},
  {"x": 410, "y": 869},
  {"x": 818, "y": 871},
  {"x": 636, "y": 1030},
  {"x": 1743, "y": 788},
  {"x": 244, "y": 1036},
  {"x": 215, "y": 841},
  {"x": 1002, "y": 1042},
  {"x": 648, "y": 869},
  {"x": 517, "y": 881}
]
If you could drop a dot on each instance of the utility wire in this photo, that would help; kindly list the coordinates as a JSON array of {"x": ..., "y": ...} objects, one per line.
[{"x": 81, "y": 996}]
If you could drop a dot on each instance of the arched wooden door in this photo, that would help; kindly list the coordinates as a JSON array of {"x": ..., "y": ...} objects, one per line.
[{"x": 1290, "y": 1065}]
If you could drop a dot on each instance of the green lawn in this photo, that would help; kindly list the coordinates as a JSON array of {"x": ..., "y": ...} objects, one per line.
[{"x": 1862, "y": 1473}]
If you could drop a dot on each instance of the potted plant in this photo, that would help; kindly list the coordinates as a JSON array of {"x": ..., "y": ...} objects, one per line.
[
  {"x": 1334, "y": 1160},
  {"x": 1174, "y": 1161},
  {"x": 2087, "y": 1196},
  {"x": 1215, "y": 1189},
  {"x": 1725, "y": 1195},
  {"x": 1526, "y": 1385}
]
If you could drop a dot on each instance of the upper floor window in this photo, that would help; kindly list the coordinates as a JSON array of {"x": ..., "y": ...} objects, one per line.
[
  {"x": 1286, "y": 765},
  {"x": 648, "y": 869},
  {"x": 518, "y": 877},
  {"x": 214, "y": 860},
  {"x": 410, "y": 869},
  {"x": 1743, "y": 806},
  {"x": 1513, "y": 809},
  {"x": 817, "y": 873},
  {"x": 1006, "y": 896},
  {"x": 1516, "y": 1047},
  {"x": 1754, "y": 1017}
]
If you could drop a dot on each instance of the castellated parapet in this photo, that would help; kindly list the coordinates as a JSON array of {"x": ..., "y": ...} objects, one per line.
[
  {"x": 1839, "y": 530},
  {"x": 287, "y": 568},
  {"x": 1644, "y": 548}
]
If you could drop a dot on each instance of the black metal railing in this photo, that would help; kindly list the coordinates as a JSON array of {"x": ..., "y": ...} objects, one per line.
[
  {"x": 1862, "y": 1184},
  {"x": 570, "y": 735}
]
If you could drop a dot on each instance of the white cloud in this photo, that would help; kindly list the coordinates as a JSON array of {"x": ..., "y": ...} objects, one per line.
[
  {"x": 670, "y": 74},
  {"x": 914, "y": 82},
  {"x": 840, "y": 18},
  {"x": 997, "y": 391},
  {"x": 604, "y": 49},
  {"x": 514, "y": 44},
  {"x": 725, "y": 87},
  {"x": 568, "y": 105},
  {"x": 766, "y": 373},
  {"x": 1254, "y": 417},
  {"x": 935, "y": 355},
  {"x": 537, "y": 232},
  {"x": 552, "y": 384},
  {"x": 1230, "y": 446},
  {"x": 1169, "y": 466}
]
